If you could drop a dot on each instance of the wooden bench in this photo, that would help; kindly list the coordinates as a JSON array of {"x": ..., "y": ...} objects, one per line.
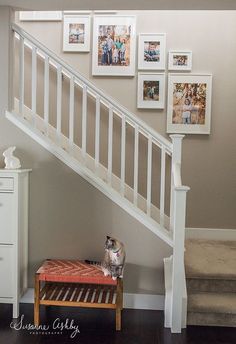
[{"x": 77, "y": 284}]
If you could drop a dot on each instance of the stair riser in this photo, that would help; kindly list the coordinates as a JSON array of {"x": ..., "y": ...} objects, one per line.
[
  {"x": 210, "y": 285},
  {"x": 211, "y": 319}
]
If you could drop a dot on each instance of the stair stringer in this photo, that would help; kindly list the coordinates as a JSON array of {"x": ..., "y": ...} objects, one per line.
[{"x": 89, "y": 176}]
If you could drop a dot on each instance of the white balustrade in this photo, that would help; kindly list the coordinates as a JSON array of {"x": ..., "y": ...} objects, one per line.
[
  {"x": 84, "y": 121},
  {"x": 97, "y": 132},
  {"x": 21, "y": 75},
  {"x": 46, "y": 92},
  {"x": 34, "y": 84},
  {"x": 71, "y": 111},
  {"x": 162, "y": 186},
  {"x": 136, "y": 166},
  {"x": 123, "y": 155},
  {"x": 149, "y": 176},
  {"x": 110, "y": 145},
  {"x": 59, "y": 100}
]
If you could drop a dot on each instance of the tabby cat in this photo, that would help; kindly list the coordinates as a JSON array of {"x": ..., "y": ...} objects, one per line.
[{"x": 113, "y": 262}]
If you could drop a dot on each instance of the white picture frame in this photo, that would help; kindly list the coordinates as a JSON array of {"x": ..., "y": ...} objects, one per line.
[
  {"x": 151, "y": 90},
  {"x": 110, "y": 58},
  {"x": 40, "y": 15},
  {"x": 152, "y": 51},
  {"x": 180, "y": 60},
  {"x": 76, "y": 33},
  {"x": 189, "y": 103}
]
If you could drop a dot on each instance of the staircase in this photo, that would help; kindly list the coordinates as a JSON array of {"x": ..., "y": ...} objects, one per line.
[
  {"x": 67, "y": 134},
  {"x": 211, "y": 282}
]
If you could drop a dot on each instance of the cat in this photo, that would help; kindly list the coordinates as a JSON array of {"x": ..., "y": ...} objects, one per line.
[{"x": 113, "y": 262}]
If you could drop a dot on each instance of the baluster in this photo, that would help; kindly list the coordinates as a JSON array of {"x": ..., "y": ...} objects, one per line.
[
  {"x": 21, "y": 75},
  {"x": 123, "y": 138},
  {"x": 84, "y": 121},
  {"x": 59, "y": 100},
  {"x": 97, "y": 132},
  {"x": 46, "y": 92},
  {"x": 162, "y": 188},
  {"x": 72, "y": 111},
  {"x": 34, "y": 84},
  {"x": 136, "y": 145},
  {"x": 149, "y": 175},
  {"x": 110, "y": 134}
]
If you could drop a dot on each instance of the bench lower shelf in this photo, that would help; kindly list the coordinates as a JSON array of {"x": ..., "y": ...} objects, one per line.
[{"x": 78, "y": 295}]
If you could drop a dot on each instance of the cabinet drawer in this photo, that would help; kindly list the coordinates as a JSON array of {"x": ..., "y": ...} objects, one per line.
[
  {"x": 6, "y": 184},
  {"x": 6, "y": 270},
  {"x": 7, "y": 218}
]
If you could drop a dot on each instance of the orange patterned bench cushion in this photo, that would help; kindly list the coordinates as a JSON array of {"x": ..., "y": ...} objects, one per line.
[{"x": 74, "y": 271}]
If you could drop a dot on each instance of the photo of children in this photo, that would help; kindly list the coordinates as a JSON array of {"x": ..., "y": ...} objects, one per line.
[
  {"x": 151, "y": 90},
  {"x": 114, "y": 45},
  {"x": 180, "y": 60},
  {"x": 189, "y": 103},
  {"x": 76, "y": 33},
  {"x": 152, "y": 51}
]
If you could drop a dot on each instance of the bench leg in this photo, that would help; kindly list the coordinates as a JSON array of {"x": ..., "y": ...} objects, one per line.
[
  {"x": 119, "y": 303},
  {"x": 36, "y": 300},
  {"x": 118, "y": 319}
]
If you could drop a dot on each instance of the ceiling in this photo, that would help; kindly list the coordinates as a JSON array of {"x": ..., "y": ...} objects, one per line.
[{"x": 121, "y": 4}]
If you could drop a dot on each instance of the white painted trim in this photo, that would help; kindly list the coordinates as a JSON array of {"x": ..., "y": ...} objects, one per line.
[
  {"x": 84, "y": 172},
  {"x": 211, "y": 234},
  {"x": 132, "y": 301}
]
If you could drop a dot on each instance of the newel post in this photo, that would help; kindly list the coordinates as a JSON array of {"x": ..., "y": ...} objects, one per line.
[{"x": 178, "y": 217}]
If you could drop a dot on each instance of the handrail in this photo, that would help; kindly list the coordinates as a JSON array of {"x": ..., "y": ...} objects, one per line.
[{"x": 143, "y": 126}]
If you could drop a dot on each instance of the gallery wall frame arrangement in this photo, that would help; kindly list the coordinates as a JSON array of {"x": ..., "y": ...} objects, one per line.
[
  {"x": 114, "y": 40},
  {"x": 76, "y": 33},
  {"x": 152, "y": 51},
  {"x": 180, "y": 60},
  {"x": 189, "y": 103},
  {"x": 40, "y": 15},
  {"x": 151, "y": 90}
]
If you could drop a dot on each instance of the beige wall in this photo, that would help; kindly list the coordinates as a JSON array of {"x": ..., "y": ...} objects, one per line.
[{"x": 69, "y": 218}]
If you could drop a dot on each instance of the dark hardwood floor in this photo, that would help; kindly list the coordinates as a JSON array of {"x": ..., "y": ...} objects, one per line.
[{"x": 97, "y": 327}]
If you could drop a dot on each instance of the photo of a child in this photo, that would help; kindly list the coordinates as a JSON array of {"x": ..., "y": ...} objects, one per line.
[
  {"x": 180, "y": 60},
  {"x": 189, "y": 103},
  {"x": 152, "y": 51},
  {"x": 151, "y": 90},
  {"x": 76, "y": 33}
]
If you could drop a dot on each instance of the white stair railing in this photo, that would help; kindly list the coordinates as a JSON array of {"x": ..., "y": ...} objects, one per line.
[{"x": 172, "y": 234}]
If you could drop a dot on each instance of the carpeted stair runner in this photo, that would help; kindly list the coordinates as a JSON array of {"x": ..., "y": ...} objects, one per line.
[{"x": 211, "y": 282}]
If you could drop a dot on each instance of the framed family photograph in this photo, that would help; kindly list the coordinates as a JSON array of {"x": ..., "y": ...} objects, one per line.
[
  {"x": 40, "y": 15},
  {"x": 114, "y": 45},
  {"x": 151, "y": 91},
  {"x": 152, "y": 51},
  {"x": 189, "y": 103},
  {"x": 180, "y": 60},
  {"x": 76, "y": 33}
]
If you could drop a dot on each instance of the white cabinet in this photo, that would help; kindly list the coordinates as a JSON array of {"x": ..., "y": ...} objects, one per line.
[
  {"x": 7, "y": 270},
  {"x": 13, "y": 236}
]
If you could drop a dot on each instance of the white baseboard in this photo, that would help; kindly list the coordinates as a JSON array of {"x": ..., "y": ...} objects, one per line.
[
  {"x": 211, "y": 234},
  {"x": 133, "y": 301}
]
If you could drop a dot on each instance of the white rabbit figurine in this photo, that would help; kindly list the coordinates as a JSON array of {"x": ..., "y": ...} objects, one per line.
[{"x": 11, "y": 162}]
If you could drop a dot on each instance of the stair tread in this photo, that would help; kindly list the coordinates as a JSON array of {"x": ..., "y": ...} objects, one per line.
[
  {"x": 210, "y": 259},
  {"x": 212, "y": 303}
]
